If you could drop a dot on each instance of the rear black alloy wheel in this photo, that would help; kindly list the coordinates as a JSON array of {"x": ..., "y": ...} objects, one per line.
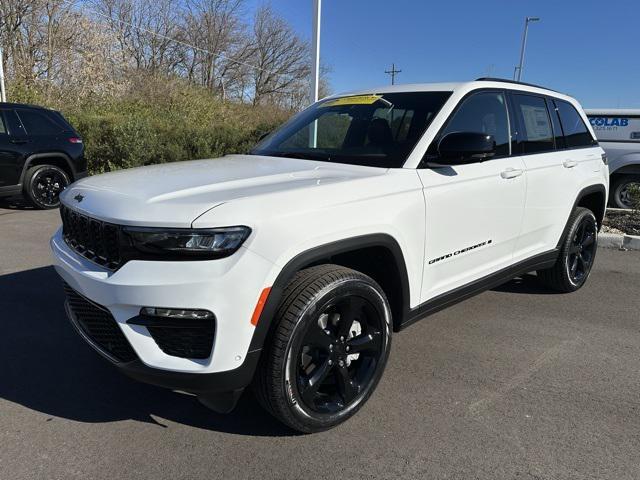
[
  {"x": 577, "y": 254},
  {"x": 328, "y": 348},
  {"x": 582, "y": 250},
  {"x": 44, "y": 184}
]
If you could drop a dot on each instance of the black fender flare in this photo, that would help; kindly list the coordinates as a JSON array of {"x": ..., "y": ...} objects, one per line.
[
  {"x": 323, "y": 252},
  {"x": 598, "y": 188},
  {"x": 31, "y": 158}
]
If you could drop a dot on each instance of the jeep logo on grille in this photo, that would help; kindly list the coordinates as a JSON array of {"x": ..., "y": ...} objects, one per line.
[{"x": 78, "y": 198}]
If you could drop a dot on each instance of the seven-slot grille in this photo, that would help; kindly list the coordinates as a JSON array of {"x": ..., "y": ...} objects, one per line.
[
  {"x": 93, "y": 239},
  {"x": 99, "y": 326}
]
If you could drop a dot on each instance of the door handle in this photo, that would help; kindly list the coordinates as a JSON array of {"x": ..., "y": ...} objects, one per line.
[
  {"x": 511, "y": 173},
  {"x": 569, "y": 163},
  {"x": 18, "y": 140}
]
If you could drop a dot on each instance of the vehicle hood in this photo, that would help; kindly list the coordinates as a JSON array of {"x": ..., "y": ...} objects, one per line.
[{"x": 175, "y": 194}]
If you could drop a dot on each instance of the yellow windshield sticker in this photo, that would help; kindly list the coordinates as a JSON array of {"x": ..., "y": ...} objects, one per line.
[{"x": 355, "y": 100}]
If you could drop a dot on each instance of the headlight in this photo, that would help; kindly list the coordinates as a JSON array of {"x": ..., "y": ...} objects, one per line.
[{"x": 191, "y": 243}]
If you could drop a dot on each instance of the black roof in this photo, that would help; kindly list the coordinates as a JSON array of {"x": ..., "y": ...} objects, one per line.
[
  {"x": 22, "y": 105},
  {"x": 504, "y": 80}
]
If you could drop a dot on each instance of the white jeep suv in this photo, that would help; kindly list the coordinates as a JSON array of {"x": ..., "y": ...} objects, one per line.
[{"x": 289, "y": 268}]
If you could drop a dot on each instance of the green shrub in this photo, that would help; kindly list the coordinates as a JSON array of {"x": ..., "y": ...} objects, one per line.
[{"x": 157, "y": 123}]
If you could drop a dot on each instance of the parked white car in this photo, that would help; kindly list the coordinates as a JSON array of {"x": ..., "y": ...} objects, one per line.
[
  {"x": 618, "y": 131},
  {"x": 290, "y": 267}
]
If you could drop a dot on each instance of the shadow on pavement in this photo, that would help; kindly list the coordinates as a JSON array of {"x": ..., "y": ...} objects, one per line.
[
  {"x": 527, "y": 284},
  {"x": 46, "y": 366},
  {"x": 15, "y": 203}
]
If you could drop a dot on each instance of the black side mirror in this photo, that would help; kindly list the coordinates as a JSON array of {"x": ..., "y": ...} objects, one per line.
[{"x": 458, "y": 148}]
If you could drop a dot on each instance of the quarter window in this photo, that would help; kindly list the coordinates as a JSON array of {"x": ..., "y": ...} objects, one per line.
[
  {"x": 536, "y": 134},
  {"x": 38, "y": 124},
  {"x": 3, "y": 129},
  {"x": 486, "y": 113},
  {"x": 575, "y": 131}
]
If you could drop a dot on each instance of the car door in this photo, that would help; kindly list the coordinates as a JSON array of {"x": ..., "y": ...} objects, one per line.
[
  {"x": 552, "y": 181},
  {"x": 12, "y": 148},
  {"x": 473, "y": 211}
]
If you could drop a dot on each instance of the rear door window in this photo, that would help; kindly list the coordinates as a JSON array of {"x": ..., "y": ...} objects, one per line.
[
  {"x": 37, "y": 123},
  {"x": 616, "y": 128},
  {"x": 535, "y": 133},
  {"x": 576, "y": 132}
]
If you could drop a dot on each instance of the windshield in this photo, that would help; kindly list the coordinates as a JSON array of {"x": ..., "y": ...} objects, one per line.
[{"x": 378, "y": 130}]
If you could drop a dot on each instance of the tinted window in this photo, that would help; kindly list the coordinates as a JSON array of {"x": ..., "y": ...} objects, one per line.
[
  {"x": 486, "y": 113},
  {"x": 37, "y": 123},
  {"x": 3, "y": 129},
  {"x": 575, "y": 131},
  {"x": 376, "y": 130},
  {"x": 616, "y": 128},
  {"x": 13, "y": 122},
  {"x": 535, "y": 133},
  {"x": 557, "y": 128}
]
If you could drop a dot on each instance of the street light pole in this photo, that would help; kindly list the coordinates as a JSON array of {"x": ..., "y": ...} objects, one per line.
[
  {"x": 315, "y": 65},
  {"x": 3, "y": 92},
  {"x": 315, "y": 68},
  {"x": 518, "y": 72}
]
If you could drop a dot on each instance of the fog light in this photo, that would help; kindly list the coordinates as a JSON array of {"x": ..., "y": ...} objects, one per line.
[{"x": 176, "y": 313}]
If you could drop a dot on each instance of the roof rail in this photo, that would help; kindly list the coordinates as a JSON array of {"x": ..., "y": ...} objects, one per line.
[{"x": 504, "y": 80}]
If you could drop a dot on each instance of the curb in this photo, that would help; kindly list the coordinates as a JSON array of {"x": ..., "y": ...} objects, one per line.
[{"x": 621, "y": 242}]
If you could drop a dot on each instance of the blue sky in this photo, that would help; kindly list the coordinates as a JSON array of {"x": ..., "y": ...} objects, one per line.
[{"x": 586, "y": 48}]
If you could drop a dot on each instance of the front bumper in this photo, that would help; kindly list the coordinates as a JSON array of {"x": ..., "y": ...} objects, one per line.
[{"x": 228, "y": 287}]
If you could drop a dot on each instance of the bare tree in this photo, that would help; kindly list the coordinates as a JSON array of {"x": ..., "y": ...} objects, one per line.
[{"x": 278, "y": 54}]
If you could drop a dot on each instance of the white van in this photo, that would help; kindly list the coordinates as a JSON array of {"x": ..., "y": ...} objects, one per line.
[{"x": 618, "y": 131}]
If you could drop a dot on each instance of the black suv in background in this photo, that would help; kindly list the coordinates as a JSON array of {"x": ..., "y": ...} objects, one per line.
[{"x": 40, "y": 154}]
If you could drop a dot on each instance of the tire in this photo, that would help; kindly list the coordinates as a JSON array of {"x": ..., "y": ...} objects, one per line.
[
  {"x": 43, "y": 186},
  {"x": 619, "y": 197},
  {"x": 305, "y": 345},
  {"x": 577, "y": 254}
]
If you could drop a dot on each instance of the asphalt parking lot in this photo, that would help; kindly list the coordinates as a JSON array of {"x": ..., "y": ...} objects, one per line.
[{"x": 516, "y": 383}]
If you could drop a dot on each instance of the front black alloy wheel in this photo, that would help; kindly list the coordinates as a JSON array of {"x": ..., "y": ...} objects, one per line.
[
  {"x": 339, "y": 354},
  {"x": 577, "y": 254},
  {"x": 44, "y": 184},
  {"x": 328, "y": 348}
]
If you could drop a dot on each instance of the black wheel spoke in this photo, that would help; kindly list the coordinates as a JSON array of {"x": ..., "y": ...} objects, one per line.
[
  {"x": 574, "y": 265},
  {"x": 318, "y": 337},
  {"x": 573, "y": 249},
  {"x": 588, "y": 240},
  {"x": 363, "y": 343},
  {"x": 350, "y": 312},
  {"x": 347, "y": 389},
  {"x": 313, "y": 382}
]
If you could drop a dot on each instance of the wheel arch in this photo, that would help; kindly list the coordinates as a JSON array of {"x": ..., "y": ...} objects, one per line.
[
  {"x": 593, "y": 197},
  {"x": 58, "y": 159},
  {"x": 376, "y": 255}
]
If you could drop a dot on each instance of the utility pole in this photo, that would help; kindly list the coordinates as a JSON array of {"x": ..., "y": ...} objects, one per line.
[
  {"x": 3, "y": 92},
  {"x": 517, "y": 74},
  {"x": 315, "y": 68},
  {"x": 393, "y": 72}
]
